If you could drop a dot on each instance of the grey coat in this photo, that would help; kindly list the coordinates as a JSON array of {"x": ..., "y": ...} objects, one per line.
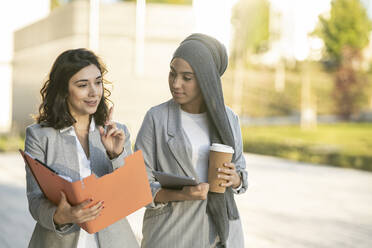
[
  {"x": 58, "y": 150},
  {"x": 166, "y": 148}
]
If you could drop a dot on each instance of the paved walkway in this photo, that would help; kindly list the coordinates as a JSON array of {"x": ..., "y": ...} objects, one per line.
[{"x": 288, "y": 205}]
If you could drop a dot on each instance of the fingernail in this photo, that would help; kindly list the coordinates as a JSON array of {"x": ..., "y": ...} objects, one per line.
[{"x": 218, "y": 169}]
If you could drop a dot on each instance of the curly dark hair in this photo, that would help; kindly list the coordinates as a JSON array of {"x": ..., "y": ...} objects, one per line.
[{"x": 53, "y": 111}]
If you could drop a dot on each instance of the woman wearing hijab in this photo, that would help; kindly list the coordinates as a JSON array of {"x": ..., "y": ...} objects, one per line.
[
  {"x": 69, "y": 137},
  {"x": 175, "y": 138}
]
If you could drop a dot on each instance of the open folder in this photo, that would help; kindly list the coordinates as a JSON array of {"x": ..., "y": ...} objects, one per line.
[{"x": 124, "y": 191}]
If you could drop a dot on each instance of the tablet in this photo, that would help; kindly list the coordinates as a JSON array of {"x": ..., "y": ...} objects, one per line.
[{"x": 170, "y": 181}]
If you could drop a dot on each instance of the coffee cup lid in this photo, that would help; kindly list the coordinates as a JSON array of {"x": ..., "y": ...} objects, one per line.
[{"x": 221, "y": 148}]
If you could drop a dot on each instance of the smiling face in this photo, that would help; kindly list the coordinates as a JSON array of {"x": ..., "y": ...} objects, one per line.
[
  {"x": 85, "y": 91},
  {"x": 184, "y": 86}
]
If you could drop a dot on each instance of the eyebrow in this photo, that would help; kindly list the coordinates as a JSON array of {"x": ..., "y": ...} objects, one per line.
[
  {"x": 182, "y": 72},
  {"x": 86, "y": 80}
]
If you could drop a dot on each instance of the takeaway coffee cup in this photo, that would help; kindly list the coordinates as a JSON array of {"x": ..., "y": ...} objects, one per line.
[{"x": 218, "y": 155}]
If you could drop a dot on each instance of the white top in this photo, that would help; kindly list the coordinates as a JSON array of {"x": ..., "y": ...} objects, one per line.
[
  {"x": 197, "y": 131},
  {"x": 86, "y": 240}
]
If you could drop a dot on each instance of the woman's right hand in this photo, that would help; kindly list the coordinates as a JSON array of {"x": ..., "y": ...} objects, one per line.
[
  {"x": 66, "y": 213},
  {"x": 198, "y": 192},
  {"x": 113, "y": 139}
]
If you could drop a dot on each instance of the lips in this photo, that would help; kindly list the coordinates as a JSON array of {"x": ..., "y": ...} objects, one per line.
[
  {"x": 91, "y": 103},
  {"x": 177, "y": 94}
]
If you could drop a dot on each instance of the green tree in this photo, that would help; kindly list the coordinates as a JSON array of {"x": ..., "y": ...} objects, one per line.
[
  {"x": 345, "y": 32},
  {"x": 348, "y": 25},
  {"x": 250, "y": 20}
]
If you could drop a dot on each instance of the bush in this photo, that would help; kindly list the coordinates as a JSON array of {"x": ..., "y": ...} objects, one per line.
[
  {"x": 329, "y": 144},
  {"x": 9, "y": 143}
]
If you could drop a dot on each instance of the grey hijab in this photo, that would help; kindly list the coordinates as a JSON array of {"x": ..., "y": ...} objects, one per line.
[{"x": 208, "y": 59}]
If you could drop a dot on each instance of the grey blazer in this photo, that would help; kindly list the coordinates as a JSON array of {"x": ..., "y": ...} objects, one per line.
[
  {"x": 58, "y": 150},
  {"x": 166, "y": 148}
]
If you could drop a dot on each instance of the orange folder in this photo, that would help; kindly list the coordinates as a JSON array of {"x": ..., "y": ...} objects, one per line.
[{"x": 124, "y": 191}]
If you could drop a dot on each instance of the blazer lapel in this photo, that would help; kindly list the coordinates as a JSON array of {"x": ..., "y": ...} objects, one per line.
[
  {"x": 71, "y": 166},
  {"x": 97, "y": 154},
  {"x": 178, "y": 142}
]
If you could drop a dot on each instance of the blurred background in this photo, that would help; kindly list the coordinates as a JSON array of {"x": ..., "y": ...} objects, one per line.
[{"x": 299, "y": 77}]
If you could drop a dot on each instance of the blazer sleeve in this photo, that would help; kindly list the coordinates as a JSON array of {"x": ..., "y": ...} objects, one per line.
[
  {"x": 239, "y": 159},
  {"x": 41, "y": 209},
  {"x": 118, "y": 161},
  {"x": 146, "y": 141}
]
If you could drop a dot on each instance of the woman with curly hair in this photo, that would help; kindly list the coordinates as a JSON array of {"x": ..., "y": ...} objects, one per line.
[{"x": 70, "y": 137}]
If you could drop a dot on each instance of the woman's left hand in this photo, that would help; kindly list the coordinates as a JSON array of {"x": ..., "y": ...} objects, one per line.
[
  {"x": 230, "y": 175},
  {"x": 113, "y": 139}
]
